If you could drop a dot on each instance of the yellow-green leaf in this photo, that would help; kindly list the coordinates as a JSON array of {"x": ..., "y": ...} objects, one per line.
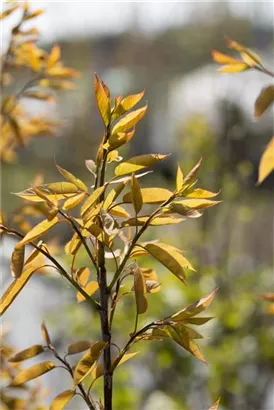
[
  {"x": 266, "y": 165},
  {"x": 234, "y": 68},
  {"x": 118, "y": 139},
  {"x": 170, "y": 258},
  {"x": 103, "y": 101},
  {"x": 194, "y": 309},
  {"x": 118, "y": 210},
  {"x": 129, "y": 121},
  {"x": 126, "y": 104},
  {"x": 14, "y": 289},
  {"x": 264, "y": 101},
  {"x": 136, "y": 194},
  {"x": 32, "y": 372},
  {"x": 64, "y": 188},
  {"x": 90, "y": 288},
  {"x": 198, "y": 203},
  {"x": 201, "y": 193},
  {"x": 38, "y": 230},
  {"x": 179, "y": 178},
  {"x": 160, "y": 220},
  {"x": 92, "y": 199},
  {"x": 27, "y": 353},
  {"x": 150, "y": 195},
  {"x": 140, "y": 291},
  {"x": 17, "y": 261},
  {"x": 73, "y": 179},
  {"x": 60, "y": 401},
  {"x": 137, "y": 163},
  {"x": 45, "y": 334},
  {"x": 78, "y": 347},
  {"x": 74, "y": 201},
  {"x": 85, "y": 364}
]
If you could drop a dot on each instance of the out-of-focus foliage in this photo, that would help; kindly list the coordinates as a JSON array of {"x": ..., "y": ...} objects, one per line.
[
  {"x": 250, "y": 60},
  {"x": 42, "y": 73}
]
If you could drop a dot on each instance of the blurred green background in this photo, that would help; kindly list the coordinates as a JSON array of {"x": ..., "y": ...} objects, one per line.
[{"x": 193, "y": 112}]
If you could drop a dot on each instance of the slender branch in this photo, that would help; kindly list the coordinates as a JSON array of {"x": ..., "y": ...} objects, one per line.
[
  {"x": 71, "y": 221},
  {"x": 84, "y": 394},
  {"x": 264, "y": 70},
  {"x": 135, "y": 239},
  {"x": 59, "y": 267}
]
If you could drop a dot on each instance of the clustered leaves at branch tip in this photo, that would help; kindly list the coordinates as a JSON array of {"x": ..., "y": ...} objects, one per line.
[{"x": 250, "y": 60}]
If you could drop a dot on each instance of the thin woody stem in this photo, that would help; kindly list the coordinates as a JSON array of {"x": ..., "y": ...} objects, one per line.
[{"x": 58, "y": 266}]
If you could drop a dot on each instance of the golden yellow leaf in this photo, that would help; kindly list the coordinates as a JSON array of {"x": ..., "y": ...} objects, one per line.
[
  {"x": 234, "y": 68},
  {"x": 84, "y": 366},
  {"x": 36, "y": 13},
  {"x": 160, "y": 220},
  {"x": 73, "y": 245},
  {"x": 194, "y": 309},
  {"x": 17, "y": 261},
  {"x": 45, "y": 334},
  {"x": 82, "y": 275},
  {"x": 113, "y": 195},
  {"x": 92, "y": 199},
  {"x": 118, "y": 210},
  {"x": 221, "y": 58},
  {"x": 14, "y": 289},
  {"x": 136, "y": 194},
  {"x": 27, "y": 353},
  {"x": 170, "y": 258},
  {"x": 140, "y": 291},
  {"x": 90, "y": 288},
  {"x": 129, "y": 121},
  {"x": 60, "y": 401},
  {"x": 32, "y": 373},
  {"x": 54, "y": 56},
  {"x": 126, "y": 104},
  {"x": 266, "y": 165},
  {"x": 264, "y": 101},
  {"x": 103, "y": 101},
  {"x": 71, "y": 178},
  {"x": 150, "y": 195},
  {"x": 243, "y": 50},
  {"x": 201, "y": 193},
  {"x": 118, "y": 139},
  {"x": 198, "y": 203},
  {"x": 38, "y": 230},
  {"x": 179, "y": 178},
  {"x": 74, "y": 201},
  {"x": 137, "y": 163},
  {"x": 78, "y": 347},
  {"x": 7, "y": 12}
]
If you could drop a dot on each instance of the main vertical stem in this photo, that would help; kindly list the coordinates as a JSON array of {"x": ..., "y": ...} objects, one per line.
[
  {"x": 106, "y": 335},
  {"x": 104, "y": 301}
]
